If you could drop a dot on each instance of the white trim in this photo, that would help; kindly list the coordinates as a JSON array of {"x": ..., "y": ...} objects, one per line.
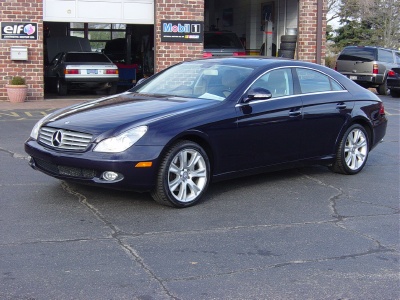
[{"x": 99, "y": 11}]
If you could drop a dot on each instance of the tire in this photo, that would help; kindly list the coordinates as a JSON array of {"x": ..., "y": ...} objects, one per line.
[
  {"x": 183, "y": 176},
  {"x": 113, "y": 89},
  {"x": 286, "y": 53},
  {"x": 289, "y": 38},
  {"x": 62, "y": 87},
  {"x": 352, "y": 153},
  {"x": 288, "y": 46},
  {"x": 382, "y": 89},
  {"x": 395, "y": 94}
]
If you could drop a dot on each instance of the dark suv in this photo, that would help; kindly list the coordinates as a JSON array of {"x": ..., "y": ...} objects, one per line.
[{"x": 367, "y": 65}]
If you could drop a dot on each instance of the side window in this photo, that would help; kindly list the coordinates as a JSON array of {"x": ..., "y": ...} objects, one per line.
[
  {"x": 397, "y": 57},
  {"x": 279, "y": 82},
  {"x": 312, "y": 82},
  {"x": 385, "y": 55}
]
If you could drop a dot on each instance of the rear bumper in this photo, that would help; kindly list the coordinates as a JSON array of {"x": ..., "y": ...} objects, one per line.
[
  {"x": 393, "y": 84},
  {"x": 371, "y": 80}
]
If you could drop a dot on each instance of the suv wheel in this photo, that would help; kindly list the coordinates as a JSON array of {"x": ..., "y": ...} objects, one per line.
[{"x": 383, "y": 89}]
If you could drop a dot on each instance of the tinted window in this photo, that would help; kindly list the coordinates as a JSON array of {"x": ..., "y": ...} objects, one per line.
[
  {"x": 313, "y": 81},
  {"x": 86, "y": 57},
  {"x": 397, "y": 57},
  {"x": 385, "y": 56},
  {"x": 221, "y": 40},
  {"x": 358, "y": 53},
  {"x": 278, "y": 82}
]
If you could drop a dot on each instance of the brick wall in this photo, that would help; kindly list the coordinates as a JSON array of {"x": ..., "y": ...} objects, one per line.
[
  {"x": 307, "y": 31},
  {"x": 25, "y": 11},
  {"x": 167, "y": 54}
]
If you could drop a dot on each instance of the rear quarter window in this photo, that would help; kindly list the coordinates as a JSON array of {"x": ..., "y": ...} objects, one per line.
[
  {"x": 385, "y": 56},
  {"x": 358, "y": 54},
  {"x": 312, "y": 82}
]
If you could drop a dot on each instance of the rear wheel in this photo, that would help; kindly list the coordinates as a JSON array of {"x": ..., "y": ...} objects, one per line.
[
  {"x": 62, "y": 88},
  {"x": 113, "y": 88},
  {"x": 352, "y": 152},
  {"x": 383, "y": 89},
  {"x": 183, "y": 176}
]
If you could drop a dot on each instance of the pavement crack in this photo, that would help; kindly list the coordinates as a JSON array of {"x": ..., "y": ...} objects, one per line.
[
  {"x": 283, "y": 264},
  {"x": 340, "y": 219},
  {"x": 117, "y": 235},
  {"x": 332, "y": 199},
  {"x": 14, "y": 154}
]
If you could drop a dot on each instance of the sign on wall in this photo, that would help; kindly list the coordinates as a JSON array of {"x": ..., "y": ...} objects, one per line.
[
  {"x": 182, "y": 31},
  {"x": 18, "y": 31}
]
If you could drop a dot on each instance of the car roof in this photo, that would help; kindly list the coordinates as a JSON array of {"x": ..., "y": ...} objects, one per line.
[
  {"x": 259, "y": 61},
  {"x": 370, "y": 47}
]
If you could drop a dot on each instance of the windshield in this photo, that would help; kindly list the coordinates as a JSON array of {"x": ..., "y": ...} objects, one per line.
[{"x": 205, "y": 79}]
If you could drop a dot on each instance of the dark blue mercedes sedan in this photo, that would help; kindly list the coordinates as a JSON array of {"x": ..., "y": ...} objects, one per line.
[{"x": 208, "y": 120}]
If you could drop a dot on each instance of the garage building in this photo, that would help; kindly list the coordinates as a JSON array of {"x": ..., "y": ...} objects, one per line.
[{"x": 22, "y": 50}]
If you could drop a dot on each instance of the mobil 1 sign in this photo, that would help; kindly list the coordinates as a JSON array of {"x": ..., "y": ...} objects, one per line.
[
  {"x": 182, "y": 31},
  {"x": 19, "y": 31}
]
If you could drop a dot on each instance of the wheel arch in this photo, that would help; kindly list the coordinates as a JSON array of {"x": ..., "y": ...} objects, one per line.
[
  {"x": 368, "y": 128},
  {"x": 197, "y": 137}
]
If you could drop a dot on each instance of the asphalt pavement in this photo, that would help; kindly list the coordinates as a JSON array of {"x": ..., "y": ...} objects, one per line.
[{"x": 305, "y": 233}]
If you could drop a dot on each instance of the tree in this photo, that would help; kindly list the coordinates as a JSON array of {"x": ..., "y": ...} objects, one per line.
[{"x": 366, "y": 22}]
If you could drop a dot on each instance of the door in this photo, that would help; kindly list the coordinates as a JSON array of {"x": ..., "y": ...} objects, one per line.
[
  {"x": 327, "y": 107},
  {"x": 269, "y": 131}
]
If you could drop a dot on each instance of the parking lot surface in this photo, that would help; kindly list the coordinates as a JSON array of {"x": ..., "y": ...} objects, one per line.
[{"x": 306, "y": 233}]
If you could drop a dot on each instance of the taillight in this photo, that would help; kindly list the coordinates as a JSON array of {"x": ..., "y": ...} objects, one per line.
[
  {"x": 207, "y": 54},
  {"x": 239, "y": 53},
  {"x": 382, "y": 109},
  {"x": 335, "y": 66},
  {"x": 392, "y": 73},
  {"x": 112, "y": 71},
  {"x": 71, "y": 71},
  {"x": 375, "y": 69}
]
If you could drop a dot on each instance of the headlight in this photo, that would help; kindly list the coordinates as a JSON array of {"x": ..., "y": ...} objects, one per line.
[
  {"x": 121, "y": 142},
  {"x": 36, "y": 128}
]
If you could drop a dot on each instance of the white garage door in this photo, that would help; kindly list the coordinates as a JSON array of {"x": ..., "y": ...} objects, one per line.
[{"x": 98, "y": 11}]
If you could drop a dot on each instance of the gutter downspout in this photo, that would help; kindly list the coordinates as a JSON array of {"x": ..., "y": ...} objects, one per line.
[{"x": 319, "y": 32}]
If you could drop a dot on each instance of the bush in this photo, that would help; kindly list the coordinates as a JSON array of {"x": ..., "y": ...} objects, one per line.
[
  {"x": 17, "y": 80},
  {"x": 330, "y": 61}
]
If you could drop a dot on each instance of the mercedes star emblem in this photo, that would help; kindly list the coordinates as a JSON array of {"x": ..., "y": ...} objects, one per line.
[{"x": 57, "y": 138}]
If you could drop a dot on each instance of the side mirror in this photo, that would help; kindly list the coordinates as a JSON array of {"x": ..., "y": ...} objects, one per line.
[{"x": 257, "y": 94}]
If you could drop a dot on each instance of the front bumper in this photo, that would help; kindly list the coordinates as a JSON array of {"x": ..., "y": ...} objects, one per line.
[{"x": 88, "y": 167}]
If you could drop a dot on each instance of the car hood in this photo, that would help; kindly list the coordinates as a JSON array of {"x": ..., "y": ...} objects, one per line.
[{"x": 121, "y": 111}]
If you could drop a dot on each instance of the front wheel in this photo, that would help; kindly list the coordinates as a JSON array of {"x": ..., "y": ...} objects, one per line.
[
  {"x": 183, "y": 176},
  {"x": 352, "y": 152}
]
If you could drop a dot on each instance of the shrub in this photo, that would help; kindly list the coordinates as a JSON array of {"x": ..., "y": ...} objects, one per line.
[{"x": 17, "y": 80}]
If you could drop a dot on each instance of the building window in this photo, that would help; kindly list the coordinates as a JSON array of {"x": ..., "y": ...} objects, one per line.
[{"x": 97, "y": 33}]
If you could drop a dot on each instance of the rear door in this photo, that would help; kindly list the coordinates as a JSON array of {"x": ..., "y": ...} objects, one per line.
[{"x": 327, "y": 108}]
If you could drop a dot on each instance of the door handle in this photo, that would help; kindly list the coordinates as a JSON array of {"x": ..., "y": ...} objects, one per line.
[
  {"x": 295, "y": 113},
  {"x": 341, "y": 106}
]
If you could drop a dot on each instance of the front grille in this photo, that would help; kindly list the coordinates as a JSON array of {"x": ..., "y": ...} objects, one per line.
[
  {"x": 64, "y": 170},
  {"x": 64, "y": 139}
]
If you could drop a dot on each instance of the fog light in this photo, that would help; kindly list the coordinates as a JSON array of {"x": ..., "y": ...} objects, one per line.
[{"x": 110, "y": 176}]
